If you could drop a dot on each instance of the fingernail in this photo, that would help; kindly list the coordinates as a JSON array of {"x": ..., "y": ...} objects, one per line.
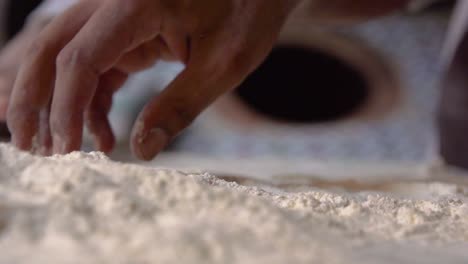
[{"x": 152, "y": 144}]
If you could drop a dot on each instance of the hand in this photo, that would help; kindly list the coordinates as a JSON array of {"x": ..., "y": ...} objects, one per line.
[{"x": 85, "y": 55}]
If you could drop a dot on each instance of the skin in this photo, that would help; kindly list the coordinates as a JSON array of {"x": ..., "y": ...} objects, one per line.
[{"x": 84, "y": 56}]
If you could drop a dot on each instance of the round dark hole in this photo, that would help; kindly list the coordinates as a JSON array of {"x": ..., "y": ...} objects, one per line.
[{"x": 302, "y": 85}]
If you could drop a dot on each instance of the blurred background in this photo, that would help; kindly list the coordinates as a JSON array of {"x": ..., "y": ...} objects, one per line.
[{"x": 331, "y": 91}]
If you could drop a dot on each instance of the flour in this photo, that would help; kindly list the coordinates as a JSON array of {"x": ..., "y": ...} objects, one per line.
[{"x": 84, "y": 208}]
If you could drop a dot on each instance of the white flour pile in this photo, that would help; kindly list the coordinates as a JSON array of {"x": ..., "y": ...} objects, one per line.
[{"x": 86, "y": 209}]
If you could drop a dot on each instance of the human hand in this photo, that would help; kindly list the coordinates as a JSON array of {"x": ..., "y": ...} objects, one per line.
[{"x": 84, "y": 55}]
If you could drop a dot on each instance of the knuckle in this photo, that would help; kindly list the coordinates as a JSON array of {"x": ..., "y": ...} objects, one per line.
[
  {"x": 37, "y": 48},
  {"x": 240, "y": 63},
  {"x": 71, "y": 57}
]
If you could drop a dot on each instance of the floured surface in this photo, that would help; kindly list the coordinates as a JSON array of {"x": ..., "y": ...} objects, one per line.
[{"x": 86, "y": 209}]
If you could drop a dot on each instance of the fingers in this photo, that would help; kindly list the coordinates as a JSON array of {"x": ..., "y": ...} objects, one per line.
[
  {"x": 178, "y": 105},
  {"x": 34, "y": 84},
  {"x": 173, "y": 110},
  {"x": 97, "y": 115},
  {"x": 107, "y": 35},
  {"x": 164, "y": 116}
]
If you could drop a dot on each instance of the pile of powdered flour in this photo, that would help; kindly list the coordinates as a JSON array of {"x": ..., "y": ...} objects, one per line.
[{"x": 84, "y": 208}]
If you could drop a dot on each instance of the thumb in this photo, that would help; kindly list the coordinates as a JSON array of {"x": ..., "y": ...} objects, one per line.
[{"x": 166, "y": 115}]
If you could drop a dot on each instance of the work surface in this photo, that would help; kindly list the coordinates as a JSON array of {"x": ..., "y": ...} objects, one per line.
[{"x": 84, "y": 208}]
